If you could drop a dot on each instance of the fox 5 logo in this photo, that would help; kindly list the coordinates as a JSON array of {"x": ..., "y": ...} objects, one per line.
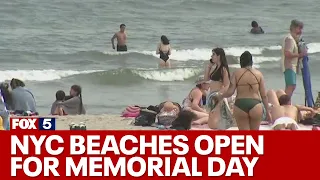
[{"x": 23, "y": 123}]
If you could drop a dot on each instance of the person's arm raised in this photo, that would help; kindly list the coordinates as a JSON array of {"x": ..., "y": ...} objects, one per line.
[{"x": 207, "y": 71}]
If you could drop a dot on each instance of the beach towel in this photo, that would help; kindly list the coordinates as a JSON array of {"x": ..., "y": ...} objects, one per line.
[{"x": 226, "y": 120}]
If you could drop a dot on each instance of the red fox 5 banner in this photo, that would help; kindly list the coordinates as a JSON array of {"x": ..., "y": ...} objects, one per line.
[{"x": 28, "y": 154}]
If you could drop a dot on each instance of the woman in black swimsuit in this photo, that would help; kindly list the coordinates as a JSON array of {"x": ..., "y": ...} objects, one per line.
[
  {"x": 251, "y": 95},
  {"x": 164, "y": 50},
  {"x": 220, "y": 116}
]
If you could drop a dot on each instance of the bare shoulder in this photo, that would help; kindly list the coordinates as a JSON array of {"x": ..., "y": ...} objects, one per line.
[{"x": 257, "y": 72}]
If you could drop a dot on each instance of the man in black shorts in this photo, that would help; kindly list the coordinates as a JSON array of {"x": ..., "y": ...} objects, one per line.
[{"x": 121, "y": 39}]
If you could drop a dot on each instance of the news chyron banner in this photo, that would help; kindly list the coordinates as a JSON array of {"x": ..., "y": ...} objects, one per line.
[{"x": 32, "y": 148}]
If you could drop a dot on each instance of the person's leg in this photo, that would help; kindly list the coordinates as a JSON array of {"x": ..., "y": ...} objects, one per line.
[
  {"x": 200, "y": 114},
  {"x": 242, "y": 118},
  {"x": 279, "y": 127},
  {"x": 201, "y": 121},
  {"x": 215, "y": 116},
  {"x": 256, "y": 115},
  {"x": 290, "y": 79},
  {"x": 279, "y": 93},
  {"x": 272, "y": 98},
  {"x": 168, "y": 64},
  {"x": 162, "y": 63},
  {"x": 292, "y": 126}
]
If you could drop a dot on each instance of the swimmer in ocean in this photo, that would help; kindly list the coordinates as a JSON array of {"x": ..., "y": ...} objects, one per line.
[
  {"x": 121, "y": 39},
  {"x": 164, "y": 49},
  {"x": 256, "y": 29}
]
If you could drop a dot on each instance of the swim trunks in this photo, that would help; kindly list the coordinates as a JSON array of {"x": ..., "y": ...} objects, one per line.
[
  {"x": 121, "y": 48},
  {"x": 286, "y": 121},
  {"x": 290, "y": 77}
]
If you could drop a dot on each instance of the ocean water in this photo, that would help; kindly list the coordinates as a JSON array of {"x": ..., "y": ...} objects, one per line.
[{"x": 53, "y": 44}]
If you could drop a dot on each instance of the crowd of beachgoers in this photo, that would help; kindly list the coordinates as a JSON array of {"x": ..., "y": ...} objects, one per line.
[{"x": 219, "y": 99}]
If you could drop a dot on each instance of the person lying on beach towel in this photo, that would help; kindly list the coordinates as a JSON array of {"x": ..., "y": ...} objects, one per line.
[
  {"x": 283, "y": 114},
  {"x": 73, "y": 106},
  {"x": 194, "y": 102},
  {"x": 168, "y": 113}
]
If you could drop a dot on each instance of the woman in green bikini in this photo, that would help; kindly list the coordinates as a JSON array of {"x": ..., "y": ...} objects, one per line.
[{"x": 251, "y": 95}]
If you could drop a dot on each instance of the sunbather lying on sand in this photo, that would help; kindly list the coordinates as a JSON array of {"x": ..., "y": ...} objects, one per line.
[
  {"x": 168, "y": 112},
  {"x": 283, "y": 114}
]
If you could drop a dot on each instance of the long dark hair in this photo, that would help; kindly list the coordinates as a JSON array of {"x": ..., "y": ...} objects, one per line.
[
  {"x": 246, "y": 59},
  {"x": 183, "y": 121},
  {"x": 77, "y": 89},
  {"x": 165, "y": 40},
  {"x": 14, "y": 83},
  {"x": 223, "y": 60}
]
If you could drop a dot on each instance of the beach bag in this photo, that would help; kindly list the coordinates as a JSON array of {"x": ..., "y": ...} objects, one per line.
[
  {"x": 166, "y": 118},
  {"x": 145, "y": 118}
]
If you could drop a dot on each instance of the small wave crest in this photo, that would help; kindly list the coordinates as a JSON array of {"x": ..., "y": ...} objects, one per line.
[
  {"x": 205, "y": 53},
  {"x": 40, "y": 75},
  {"x": 117, "y": 76},
  {"x": 178, "y": 74}
]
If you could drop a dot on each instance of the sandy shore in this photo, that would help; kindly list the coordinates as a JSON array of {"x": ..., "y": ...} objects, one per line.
[{"x": 98, "y": 122}]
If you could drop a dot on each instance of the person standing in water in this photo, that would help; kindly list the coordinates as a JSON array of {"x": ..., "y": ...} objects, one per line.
[
  {"x": 164, "y": 49},
  {"x": 291, "y": 55},
  {"x": 121, "y": 39}
]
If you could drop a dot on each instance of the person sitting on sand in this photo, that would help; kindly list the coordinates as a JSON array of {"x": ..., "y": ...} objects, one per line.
[
  {"x": 249, "y": 82},
  {"x": 22, "y": 98},
  {"x": 194, "y": 103},
  {"x": 256, "y": 29},
  {"x": 283, "y": 114},
  {"x": 164, "y": 50},
  {"x": 73, "y": 106},
  {"x": 60, "y": 96}
]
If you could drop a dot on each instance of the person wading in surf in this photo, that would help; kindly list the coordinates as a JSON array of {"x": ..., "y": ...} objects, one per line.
[
  {"x": 164, "y": 49},
  {"x": 290, "y": 56},
  {"x": 121, "y": 39}
]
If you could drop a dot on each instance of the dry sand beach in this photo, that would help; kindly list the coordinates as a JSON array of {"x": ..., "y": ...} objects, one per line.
[
  {"x": 115, "y": 122},
  {"x": 99, "y": 122}
]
